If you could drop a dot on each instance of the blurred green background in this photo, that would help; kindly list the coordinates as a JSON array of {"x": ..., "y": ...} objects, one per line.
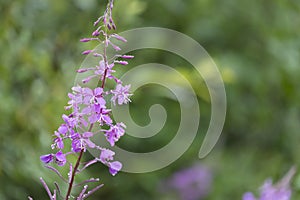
[{"x": 255, "y": 44}]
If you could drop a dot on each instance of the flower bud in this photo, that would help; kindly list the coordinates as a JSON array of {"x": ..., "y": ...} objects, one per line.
[
  {"x": 85, "y": 39},
  {"x": 86, "y": 52}
]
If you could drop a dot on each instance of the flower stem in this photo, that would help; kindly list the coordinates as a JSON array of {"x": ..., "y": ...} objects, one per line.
[
  {"x": 105, "y": 62},
  {"x": 90, "y": 128},
  {"x": 75, "y": 169},
  {"x": 73, "y": 174}
]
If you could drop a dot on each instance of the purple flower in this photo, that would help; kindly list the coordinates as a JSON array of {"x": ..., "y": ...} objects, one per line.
[
  {"x": 104, "y": 118},
  {"x": 86, "y": 140},
  {"x": 93, "y": 96},
  {"x": 248, "y": 196},
  {"x": 76, "y": 145},
  {"x": 60, "y": 158},
  {"x": 280, "y": 191},
  {"x": 47, "y": 158},
  {"x": 114, "y": 133},
  {"x": 106, "y": 156},
  {"x": 69, "y": 120},
  {"x": 87, "y": 111},
  {"x": 115, "y": 167},
  {"x": 99, "y": 69},
  {"x": 81, "y": 141},
  {"x": 121, "y": 94},
  {"x": 58, "y": 141},
  {"x": 191, "y": 183},
  {"x": 63, "y": 129}
]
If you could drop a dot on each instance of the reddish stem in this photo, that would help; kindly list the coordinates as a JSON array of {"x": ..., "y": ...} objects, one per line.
[
  {"x": 73, "y": 174},
  {"x": 75, "y": 169},
  {"x": 90, "y": 128}
]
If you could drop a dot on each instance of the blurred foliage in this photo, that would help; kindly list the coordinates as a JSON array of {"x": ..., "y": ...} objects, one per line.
[{"x": 256, "y": 45}]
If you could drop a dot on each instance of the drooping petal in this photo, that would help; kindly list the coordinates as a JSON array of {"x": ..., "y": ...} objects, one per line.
[
  {"x": 46, "y": 158},
  {"x": 60, "y": 158},
  {"x": 63, "y": 129},
  {"x": 76, "y": 145},
  {"x": 87, "y": 134},
  {"x": 115, "y": 167},
  {"x": 98, "y": 91},
  {"x": 106, "y": 155},
  {"x": 89, "y": 143}
]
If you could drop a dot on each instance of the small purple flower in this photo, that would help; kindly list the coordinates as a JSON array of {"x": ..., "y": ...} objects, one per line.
[
  {"x": 121, "y": 94},
  {"x": 60, "y": 158},
  {"x": 106, "y": 155},
  {"x": 114, "y": 133},
  {"x": 115, "y": 167},
  {"x": 69, "y": 120},
  {"x": 76, "y": 145},
  {"x": 86, "y": 140},
  {"x": 58, "y": 141},
  {"x": 47, "y": 158},
  {"x": 101, "y": 67},
  {"x": 93, "y": 96},
  {"x": 248, "y": 196},
  {"x": 63, "y": 129},
  {"x": 191, "y": 183},
  {"x": 104, "y": 118}
]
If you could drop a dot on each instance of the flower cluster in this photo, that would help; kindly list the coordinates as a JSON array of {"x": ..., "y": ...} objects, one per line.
[
  {"x": 190, "y": 183},
  {"x": 88, "y": 110},
  {"x": 280, "y": 191}
]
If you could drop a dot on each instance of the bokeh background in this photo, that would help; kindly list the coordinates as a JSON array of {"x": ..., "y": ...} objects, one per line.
[{"x": 255, "y": 44}]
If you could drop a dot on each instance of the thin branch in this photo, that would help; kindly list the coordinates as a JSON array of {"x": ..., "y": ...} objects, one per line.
[
  {"x": 75, "y": 169},
  {"x": 80, "y": 197},
  {"x": 46, "y": 188},
  {"x": 92, "y": 191},
  {"x": 91, "y": 180},
  {"x": 88, "y": 164},
  {"x": 58, "y": 190},
  {"x": 57, "y": 172},
  {"x": 73, "y": 174}
]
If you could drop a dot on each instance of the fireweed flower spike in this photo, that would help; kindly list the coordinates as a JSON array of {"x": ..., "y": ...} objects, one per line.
[{"x": 87, "y": 108}]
